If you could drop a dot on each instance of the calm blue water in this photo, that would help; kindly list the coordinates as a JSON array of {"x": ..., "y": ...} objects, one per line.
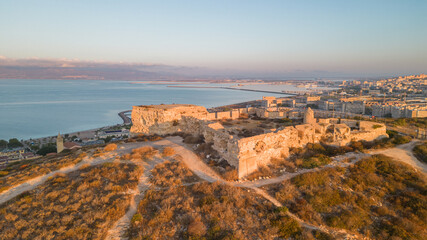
[{"x": 38, "y": 108}]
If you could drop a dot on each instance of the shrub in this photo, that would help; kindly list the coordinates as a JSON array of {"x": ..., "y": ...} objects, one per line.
[
  {"x": 282, "y": 209},
  {"x": 196, "y": 228},
  {"x": 357, "y": 145},
  {"x": 400, "y": 122},
  {"x": 204, "y": 211},
  {"x": 316, "y": 161},
  {"x": 168, "y": 151},
  {"x": 171, "y": 173},
  {"x": 351, "y": 220},
  {"x": 262, "y": 171},
  {"x": 46, "y": 149},
  {"x": 399, "y": 139},
  {"x": 136, "y": 218},
  {"x": 110, "y": 147},
  {"x": 287, "y": 227},
  {"x": 230, "y": 174},
  {"x": 420, "y": 152},
  {"x": 377, "y": 197},
  {"x": 78, "y": 205},
  {"x": 142, "y": 153},
  {"x": 310, "y": 179},
  {"x": 376, "y": 126},
  {"x": 26, "y": 169}
]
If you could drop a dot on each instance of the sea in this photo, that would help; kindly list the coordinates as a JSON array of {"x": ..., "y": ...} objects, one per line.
[{"x": 34, "y": 108}]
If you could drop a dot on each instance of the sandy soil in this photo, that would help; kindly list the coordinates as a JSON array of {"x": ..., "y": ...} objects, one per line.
[{"x": 404, "y": 154}]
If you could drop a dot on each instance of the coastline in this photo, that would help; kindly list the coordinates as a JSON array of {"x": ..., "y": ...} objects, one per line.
[{"x": 91, "y": 133}]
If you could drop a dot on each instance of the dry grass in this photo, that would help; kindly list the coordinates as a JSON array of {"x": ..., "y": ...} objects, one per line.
[
  {"x": 144, "y": 138},
  {"x": 378, "y": 197},
  {"x": 206, "y": 210},
  {"x": 19, "y": 172},
  {"x": 141, "y": 154},
  {"x": 262, "y": 171},
  {"x": 110, "y": 147},
  {"x": 230, "y": 174},
  {"x": 81, "y": 205},
  {"x": 420, "y": 152},
  {"x": 172, "y": 173},
  {"x": 168, "y": 151}
]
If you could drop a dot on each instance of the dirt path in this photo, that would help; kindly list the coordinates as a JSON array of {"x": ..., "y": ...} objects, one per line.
[
  {"x": 34, "y": 182},
  {"x": 195, "y": 164},
  {"x": 337, "y": 161},
  {"x": 192, "y": 161},
  {"x": 404, "y": 154},
  {"x": 120, "y": 226}
]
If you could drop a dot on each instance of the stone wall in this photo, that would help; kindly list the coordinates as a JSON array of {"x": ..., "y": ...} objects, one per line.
[
  {"x": 357, "y": 107},
  {"x": 166, "y": 119},
  {"x": 163, "y": 119},
  {"x": 247, "y": 154}
]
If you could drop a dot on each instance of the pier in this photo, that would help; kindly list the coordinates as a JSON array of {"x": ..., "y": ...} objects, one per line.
[
  {"x": 254, "y": 90},
  {"x": 126, "y": 119}
]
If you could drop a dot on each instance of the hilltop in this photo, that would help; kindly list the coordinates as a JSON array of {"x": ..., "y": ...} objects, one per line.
[{"x": 159, "y": 187}]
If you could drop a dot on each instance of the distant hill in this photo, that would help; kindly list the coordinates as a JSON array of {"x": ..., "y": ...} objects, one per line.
[{"x": 35, "y": 68}]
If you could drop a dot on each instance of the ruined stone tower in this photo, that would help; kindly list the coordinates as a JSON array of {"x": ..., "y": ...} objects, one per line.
[
  {"x": 309, "y": 116},
  {"x": 59, "y": 143}
]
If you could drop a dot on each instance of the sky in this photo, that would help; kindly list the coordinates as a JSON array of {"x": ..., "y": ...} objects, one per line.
[{"x": 366, "y": 37}]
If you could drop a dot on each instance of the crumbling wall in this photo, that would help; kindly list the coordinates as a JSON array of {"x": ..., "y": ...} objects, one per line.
[
  {"x": 258, "y": 150},
  {"x": 163, "y": 119},
  {"x": 369, "y": 131},
  {"x": 247, "y": 154}
]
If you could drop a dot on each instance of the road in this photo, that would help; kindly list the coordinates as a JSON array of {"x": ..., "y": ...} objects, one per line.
[{"x": 126, "y": 119}]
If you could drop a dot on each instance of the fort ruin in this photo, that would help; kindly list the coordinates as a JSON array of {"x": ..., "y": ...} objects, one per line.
[{"x": 247, "y": 153}]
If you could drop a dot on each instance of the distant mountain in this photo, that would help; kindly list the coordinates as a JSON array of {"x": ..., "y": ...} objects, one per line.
[
  {"x": 75, "y": 69},
  {"x": 35, "y": 68}
]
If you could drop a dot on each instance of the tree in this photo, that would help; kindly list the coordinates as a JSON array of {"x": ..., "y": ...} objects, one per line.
[
  {"x": 14, "y": 143},
  {"x": 49, "y": 148},
  {"x": 3, "y": 144},
  {"x": 34, "y": 148},
  {"x": 108, "y": 139}
]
